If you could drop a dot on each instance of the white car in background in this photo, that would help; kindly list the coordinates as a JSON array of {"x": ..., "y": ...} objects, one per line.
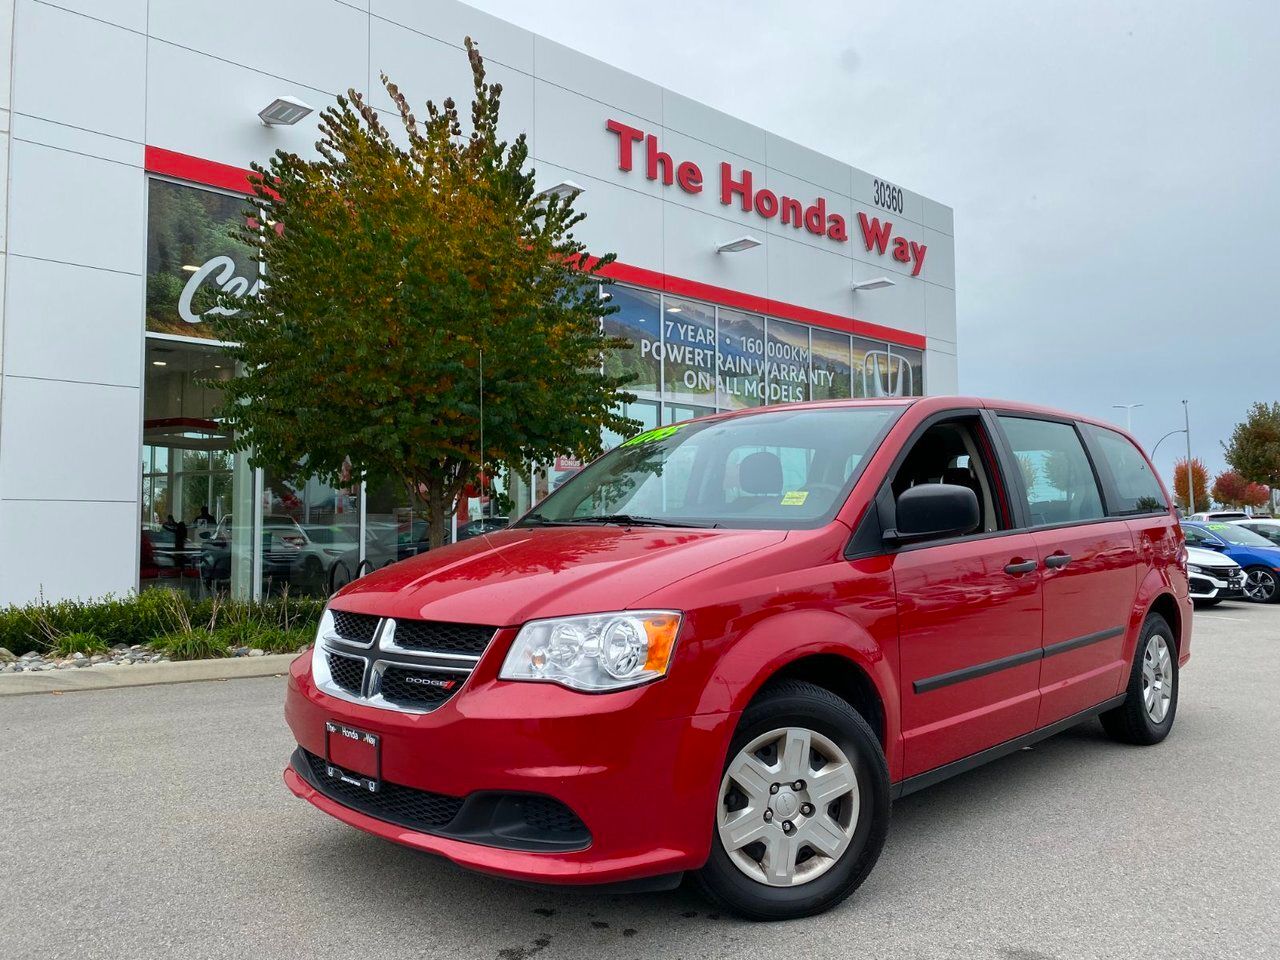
[
  {"x": 1218, "y": 516},
  {"x": 1213, "y": 577}
]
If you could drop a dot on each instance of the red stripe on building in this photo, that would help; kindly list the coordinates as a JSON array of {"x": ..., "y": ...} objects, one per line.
[{"x": 183, "y": 166}]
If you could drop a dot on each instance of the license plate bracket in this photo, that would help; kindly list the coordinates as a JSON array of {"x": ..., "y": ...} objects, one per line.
[{"x": 353, "y": 756}]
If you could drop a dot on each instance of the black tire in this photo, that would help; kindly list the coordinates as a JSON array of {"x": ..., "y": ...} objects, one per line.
[
  {"x": 798, "y": 704},
  {"x": 1268, "y": 585},
  {"x": 1205, "y": 602},
  {"x": 1130, "y": 722}
]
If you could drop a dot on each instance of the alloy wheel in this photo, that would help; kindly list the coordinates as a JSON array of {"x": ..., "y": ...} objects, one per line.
[
  {"x": 1157, "y": 678},
  {"x": 788, "y": 807},
  {"x": 1260, "y": 585}
]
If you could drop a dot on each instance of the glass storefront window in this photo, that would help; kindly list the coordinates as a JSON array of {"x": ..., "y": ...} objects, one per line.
[
  {"x": 189, "y": 476},
  {"x": 310, "y": 535},
  {"x": 689, "y": 351},
  {"x": 637, "y": 320},
  {"x": 787, "y": 346},
  {"x": 911, "y": 376},
  {"x": 830, "y": 376},
  {"x": 192, "y": 256},
  {"x": 740, "y": 362}
]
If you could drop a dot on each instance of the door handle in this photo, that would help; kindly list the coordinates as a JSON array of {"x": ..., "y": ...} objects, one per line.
[
  {"x": 1017, "y": 568},
  {"x": 1056, "y": 561}
]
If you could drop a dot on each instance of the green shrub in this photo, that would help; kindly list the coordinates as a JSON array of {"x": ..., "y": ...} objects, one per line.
[
  {"x": 191, "y": 645},
  {"x": 81, "y": 642},
  {"x": 142, "y": 618}
]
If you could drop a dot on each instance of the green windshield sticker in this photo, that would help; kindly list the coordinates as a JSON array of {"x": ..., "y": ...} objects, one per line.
[
  {"x": 795, "y": 498},
  {"x": 652, "y": 436},
  {"x": 1216, "y": 526}
]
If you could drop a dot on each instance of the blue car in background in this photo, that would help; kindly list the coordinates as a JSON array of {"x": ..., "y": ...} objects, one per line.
[{"x": 1258, "y": 555}]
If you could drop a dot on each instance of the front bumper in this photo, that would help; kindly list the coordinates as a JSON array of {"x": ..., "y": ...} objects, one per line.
[
  {"x": 643, "y": 786},
  {"x": 1216, "y": 583}
]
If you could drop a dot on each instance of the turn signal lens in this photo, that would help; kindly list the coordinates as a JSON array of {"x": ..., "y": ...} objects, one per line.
[{"x": 596, "y": 653}]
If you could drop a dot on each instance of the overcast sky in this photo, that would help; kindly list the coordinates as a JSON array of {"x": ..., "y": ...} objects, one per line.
[{"x": 1112, "y": 167}]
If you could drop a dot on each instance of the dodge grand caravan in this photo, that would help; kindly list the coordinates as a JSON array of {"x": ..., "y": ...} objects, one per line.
[{"x": 727, "y": 646}]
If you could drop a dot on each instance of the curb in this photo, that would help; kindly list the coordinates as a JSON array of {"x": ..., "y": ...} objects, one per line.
[{"x": 75, "y": 679}]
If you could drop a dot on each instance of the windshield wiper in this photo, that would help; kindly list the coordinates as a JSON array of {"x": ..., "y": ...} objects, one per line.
[{"x": 632, "y": 520}]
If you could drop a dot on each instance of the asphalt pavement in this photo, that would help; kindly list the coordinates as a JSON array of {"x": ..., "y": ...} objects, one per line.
[{"x": 152, "y": 822}]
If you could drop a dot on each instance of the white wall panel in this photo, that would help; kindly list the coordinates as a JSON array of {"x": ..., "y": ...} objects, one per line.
[
  {"x": 429, "y": 69},
  {"x": 819, "y": 169},
  {"x": 800, "y": 274},
  {"x": 708, "y": 158},
  {"x": 570, "y": 133},
  {"x": 61, "y": 550},
  {"x": 131, "y": 14},
  {"x": 618, "y": 221},
  {"x": 73, "y": 323},
  {"x": 697, "y": 120},
  {"x": 862, "y": 189},
  {"x": 75, "y": 209},
  {"x": 938, "y": 216},
  {"x": 50, "y": 134},
  {"x": 71, "y": 69},
  {"x": 207, "y": 108},
  {"x": 572, "y": 70},
  {"x": 940, "y": 375},
  {"x": 69, "y": 441},
  {"x": 689, "y": 249},
  {"x": 785, "y": 185},
  {"x": 940, "y": 261},
  {"x": 316, "y": 43},
  {"x": 940, "y": 312},
  {"x": 452, "y": 22},
  {"x": 900, "y": 306},
  {"x": 900, "y": 227}
]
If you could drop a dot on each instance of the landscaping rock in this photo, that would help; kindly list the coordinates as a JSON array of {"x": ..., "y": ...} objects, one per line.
[
  {"x": 6, "y": 655},
  {"x": 255, "y": 652}
]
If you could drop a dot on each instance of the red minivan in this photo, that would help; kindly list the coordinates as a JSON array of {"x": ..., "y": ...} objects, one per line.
[{"x": 727, "y": 646}]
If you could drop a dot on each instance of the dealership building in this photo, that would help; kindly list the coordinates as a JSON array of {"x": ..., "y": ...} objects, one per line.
[{"x": 750, "y": 270}]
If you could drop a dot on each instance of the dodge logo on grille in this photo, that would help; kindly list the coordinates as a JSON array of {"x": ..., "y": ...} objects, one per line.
[{"x": 432, "y": 682}]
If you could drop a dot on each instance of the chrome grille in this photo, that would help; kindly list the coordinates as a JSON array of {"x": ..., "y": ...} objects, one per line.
[{"x": 409, "y": 665}]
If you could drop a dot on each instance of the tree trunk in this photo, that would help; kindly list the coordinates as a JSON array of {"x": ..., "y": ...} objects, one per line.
[{"x": 437, "y": 513}]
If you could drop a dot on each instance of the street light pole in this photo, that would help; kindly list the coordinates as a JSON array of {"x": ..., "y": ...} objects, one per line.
[
  {"x": 1191, "y": 487},
  {"x": 1128, "y": 413}
]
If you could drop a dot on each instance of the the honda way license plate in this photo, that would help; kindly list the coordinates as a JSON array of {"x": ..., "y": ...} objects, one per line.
[{"x": 352, "y": 756}]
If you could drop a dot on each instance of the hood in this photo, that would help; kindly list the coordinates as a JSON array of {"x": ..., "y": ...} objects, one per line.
[
  {"x": 514, "y": 575},
  {"x": 1208, "y": 558}
]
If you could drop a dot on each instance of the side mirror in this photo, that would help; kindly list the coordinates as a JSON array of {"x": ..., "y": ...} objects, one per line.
[{"x": 935, "y": 510}]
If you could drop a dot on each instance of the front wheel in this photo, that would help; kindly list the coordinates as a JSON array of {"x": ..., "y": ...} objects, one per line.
[
  {"x": 1260, "y": 585},
  {"x": 1151, "y": 700},
  {"x": 803, "y": 806}
]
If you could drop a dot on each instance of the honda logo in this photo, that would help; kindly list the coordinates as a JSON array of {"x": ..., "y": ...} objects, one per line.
[{"x": 885, "y": 375}]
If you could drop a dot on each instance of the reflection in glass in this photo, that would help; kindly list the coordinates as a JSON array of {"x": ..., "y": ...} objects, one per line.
[
  {"x": 831, "y": 376},
  {"x": 189, "y": 476},
  {"x": 689, "y": 348},
  {"x": 637, "y": 320},
  {"x": 741, "y": 360},
  {"x": 788, "y": 356},
  {"x": 192, "y": 256},
  {"x": 912, "y": 376}
]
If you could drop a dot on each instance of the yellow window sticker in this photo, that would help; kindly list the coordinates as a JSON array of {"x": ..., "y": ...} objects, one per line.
[{"x": 794, "y": 498}]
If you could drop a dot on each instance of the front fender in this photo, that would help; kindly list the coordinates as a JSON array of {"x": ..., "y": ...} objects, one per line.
[{"x": 783, "y": 638}]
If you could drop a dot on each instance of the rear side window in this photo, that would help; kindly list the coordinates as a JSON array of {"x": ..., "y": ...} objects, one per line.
[
  {"x": 1136, "y": 485},
  {"x": 1057, "y": 478}
]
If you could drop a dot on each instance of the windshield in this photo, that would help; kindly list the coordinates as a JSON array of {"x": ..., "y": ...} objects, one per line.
[
  {"x": 782, "y": 469},
  {"x": 1237, "y": 535}
]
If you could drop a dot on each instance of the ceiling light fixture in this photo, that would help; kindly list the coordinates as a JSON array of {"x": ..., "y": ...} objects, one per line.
[
  {"x": 738, "y": 245},
  {"x": 190, "y": 267},
  {"x": 159, "y": 363},
  {"x": 283, "y": 112},
  {"x": 875, "y": 284}
]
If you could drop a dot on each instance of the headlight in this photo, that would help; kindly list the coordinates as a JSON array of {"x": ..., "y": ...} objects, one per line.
[
  {"x": 603, "y": 651},
  {"x": 1193, "y": 568}
]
